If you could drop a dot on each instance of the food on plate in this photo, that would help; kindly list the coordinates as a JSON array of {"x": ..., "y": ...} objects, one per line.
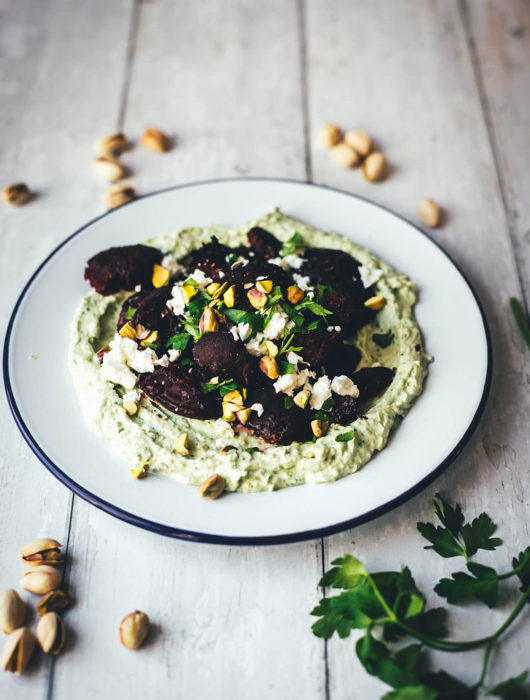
[{"x": 251, "y": 358}]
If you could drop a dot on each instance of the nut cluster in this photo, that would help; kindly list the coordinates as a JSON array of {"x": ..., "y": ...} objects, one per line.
[
  {"x": 108, "y": 166},
  {"x": 352, "y": 149},
  {"x": 41, "y": 556}
]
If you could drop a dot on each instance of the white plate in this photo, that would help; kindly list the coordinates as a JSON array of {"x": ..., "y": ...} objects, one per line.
[{"x": 46, "y": 408}]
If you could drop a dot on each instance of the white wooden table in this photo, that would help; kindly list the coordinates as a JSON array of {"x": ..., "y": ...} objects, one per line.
[{"x": 444, "y": 88}]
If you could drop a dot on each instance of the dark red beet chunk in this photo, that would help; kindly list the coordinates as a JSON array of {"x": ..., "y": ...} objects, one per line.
[
  {"x": 263, "y": 243},
  {"x": 122, "y": 268},
  {"x": 331, "y": 267},
  {"x": 277, "y": 425},
  {"x": 219, "y": 355},
  {"x": 345, "y": 410},
  {"x": 342, "y": 360},
  {"x": 132, "y": 302},
  {"x": 349, "y": 311},
  {"x": 316, "y": 346},
  {"x": 151, "y": 308},
  {"x": 211, "y": 259},
  {"x": 371, "y": 381},
  {"x": 179, "y": 390}
]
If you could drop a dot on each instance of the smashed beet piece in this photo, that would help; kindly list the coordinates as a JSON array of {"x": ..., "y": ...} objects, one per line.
[
  {"x": 130, "y": 304},
  {"x": 220, "y": 355},
  {"x": 122, "y": 268},
  {"x": 151, "y": 308},
  {"x": 316, "y": 346},
  {"x": 178, "y": 390},
  {"x": 333, "y": 268},
  {"x": 345, "y": 410},
  {"x": 211, "y": 259},
  {"x": 371, "y": 381},
  {"x": 277, "y": 424},
  {"x": 349, "y": 311},
  {"x": 263, "y": 243},
  {"x": 343, "y": 359}
]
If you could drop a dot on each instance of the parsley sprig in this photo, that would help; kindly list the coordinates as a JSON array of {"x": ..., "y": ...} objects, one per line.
[
  {"x": 520, "y": 317},
  {"x": 294, "y": 243},
  {"x": 388, "y": 606}
]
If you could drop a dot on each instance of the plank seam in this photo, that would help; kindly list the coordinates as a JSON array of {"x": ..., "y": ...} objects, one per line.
[
  {"x": 302, "y": 33},
  {"x": 130, "y": 54},
  {"x": 492, "y": 139}
]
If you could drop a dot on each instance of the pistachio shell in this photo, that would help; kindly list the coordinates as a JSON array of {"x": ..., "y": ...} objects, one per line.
[
  {"x": 18, "y": 650},
  {"x": 12, "y": 610},
  {"x": 52, "y": 601},
  {"x": 41, "y": 551},
  {"x": 41, "y": 579},
  {"x": 51, "y": 633},
  {"x": 212, "y": 487},
  {"x": 134, "y": 628}
]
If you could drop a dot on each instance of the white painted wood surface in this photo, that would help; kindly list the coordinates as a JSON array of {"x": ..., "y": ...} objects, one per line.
[{"x": 244, "y": 86}]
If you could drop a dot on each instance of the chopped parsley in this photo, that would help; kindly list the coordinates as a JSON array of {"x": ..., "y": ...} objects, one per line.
[
  {"x": 130, "y": 313},
  {"x": 292, "y": 245},
  {"x": 345, "y": 437},
  {"x": 288, "y": 402},
  {"x": 179, "y": 341}
]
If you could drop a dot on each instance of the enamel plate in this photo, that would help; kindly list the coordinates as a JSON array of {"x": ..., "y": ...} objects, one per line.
[{"x": 45, "y": 406}]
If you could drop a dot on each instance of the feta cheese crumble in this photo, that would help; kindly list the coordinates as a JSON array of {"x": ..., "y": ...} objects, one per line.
[
  {"x": 123, "y": 356},
  {"x": 133, "y": 396},
  {"x": 343, "y": 386},
  {"x": 293, "y": 358},
  {"x": 294, "y": 261},
  {"x": 320, "y": 393},
  {"x": 303, "y": 282},
  {"x": 170, "y": 263},
  {"x": 288, "y": 383},
  {"x": 258, "y": 407},
  {"x": 257, "y": 345},
  {"x": 369, "y": 276},
  {"x": 177, "y": 303},
  {"x": 199, "y": 277},
  {"x": 274, "y": 328},
  {"x": 174, "y": 354}
]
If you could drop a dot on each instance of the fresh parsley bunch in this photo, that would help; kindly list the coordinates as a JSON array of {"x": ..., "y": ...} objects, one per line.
[{"x": 389, "y": 606}]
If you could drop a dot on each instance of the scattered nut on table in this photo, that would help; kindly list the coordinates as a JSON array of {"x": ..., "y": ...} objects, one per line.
[
  {"x": 18, "y": 650},
  {"x": 108, "y": 168},
  {"x": 51, "y": 633},
  {"x": 117, "y": 195},
  {"x": 16, "y": 194},
  {"x": 329, "y": 135},
  {"x": 155, "y": 140},
  {"x": 344, "y": 155},
  {"x": 53, "y": 601},
  {"x": 374, "y": 167},
  {"x": 212, "y": 487},
  {"x": 359, "y": 141},
  {"x": 134, "y": 628},
  {"x": 41, "y": 579},
  {"x": 112, "y": 145},
  {"x": 41, "y": 551},
  {"x": 12, "y": 610},
  {"x": 430, "y": 213}
]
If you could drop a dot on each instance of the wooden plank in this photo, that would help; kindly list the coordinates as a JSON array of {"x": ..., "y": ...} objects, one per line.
[
  {"x": 403, "y": 72},
  {"x": 499, "y": 36},
  {"x": 231, "y": 622},
  {"x": 62, "y": 69}
]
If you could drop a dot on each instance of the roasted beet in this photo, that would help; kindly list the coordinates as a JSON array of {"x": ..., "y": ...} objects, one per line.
[
  {"x": 371, "y": 381},
  {"x": 219, "y": 355},
  {"x": 277, "y": 424},
  {"x": 331, "y": 267},
  {"x": 343, "y": 359},
  {"x": 122, "y": 268},
  {"x": 316, "y": 346},
  {"x": 211, "y": 259},
  {"x": 131, "y": 302},
  {"x": 178, "y": 389},
  {"x": 345, "y": 410},
  {"x": 151, "y": 308},
  {"x": 349, "y": 311},
  {"x": 263, "y": 243}
]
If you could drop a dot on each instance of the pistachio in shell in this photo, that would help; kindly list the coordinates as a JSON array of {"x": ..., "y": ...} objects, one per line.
[
  {"x": 134, "y": 628},
  {"x": 41, "y": 579},
  {"x": 18, "y": 650},
  {"x": 12, "y": 610},
  {"x": 51, "y": 633},
  {"x": 41, "y": 551},
  {"x": 53, "y": 601}
]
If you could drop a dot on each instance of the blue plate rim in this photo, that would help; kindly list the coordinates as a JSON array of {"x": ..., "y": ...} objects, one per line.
[{"x": 193, "y": 536}]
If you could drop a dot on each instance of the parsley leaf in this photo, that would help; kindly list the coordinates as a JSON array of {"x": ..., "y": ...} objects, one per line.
[
  {"x": 187, "y": 362},
  {"x": 231, "y": 258},
  {"x": 456, "y": 538},
  {"x": 288, "y": 402},
  {"x": 483, "y": 585},
  {"x": 292, "y": 245},
  {"x": 345, "y": 437},
  {"x": 179, "y": 341},
  {"x": 130, "y": 313},
  {"x": 511, "y": 688},
  {"x": 522, "y": 565}
]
